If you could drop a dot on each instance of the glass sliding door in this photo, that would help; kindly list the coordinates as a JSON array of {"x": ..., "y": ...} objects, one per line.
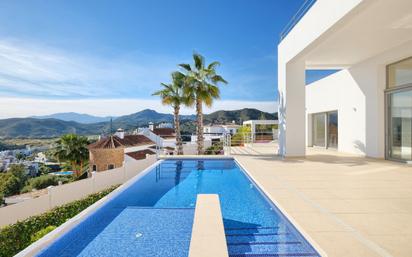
[
  {"x": 333, "y": 129},
  {"x": 325, "y": 129},
  {"x": 400, "y": 125},
  {"x": 399, "y": 110},
  {"x": 319, "y": 129}
]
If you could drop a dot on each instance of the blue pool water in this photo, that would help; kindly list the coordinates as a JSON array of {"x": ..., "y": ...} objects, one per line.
[
  {"x": 62, "y": 173},
  {"x": 154, "y": 216}
]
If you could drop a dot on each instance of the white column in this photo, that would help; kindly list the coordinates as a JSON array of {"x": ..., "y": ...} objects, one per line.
[{"x": 292, "y": 118}]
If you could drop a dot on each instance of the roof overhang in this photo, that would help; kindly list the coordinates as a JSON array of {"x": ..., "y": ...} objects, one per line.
[{"x": 369, "y": 29}]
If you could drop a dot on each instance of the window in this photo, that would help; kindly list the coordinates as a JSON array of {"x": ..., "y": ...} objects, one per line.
[
  {"x": 325, "y": 129},
  {"x": 110, "y": 166},
  {"x": 400, "y": 73},
  {"x": 94, "y": 167},
  {"x": 399, "y": 110}
]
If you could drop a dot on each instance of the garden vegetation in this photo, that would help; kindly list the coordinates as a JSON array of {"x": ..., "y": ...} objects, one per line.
[{"x": 16, "y": 237}]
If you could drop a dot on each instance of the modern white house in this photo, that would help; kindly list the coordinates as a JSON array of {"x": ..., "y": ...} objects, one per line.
[
  {"x": 213, "y": 132},
  {"x": 366, "y": 107},
  {"x": 270, "y": 128}
]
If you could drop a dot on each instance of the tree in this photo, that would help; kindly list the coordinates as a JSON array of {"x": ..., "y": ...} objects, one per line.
[
  {"x": 43, "y": 169},
  {"x": 19, "y": 171},
  {"x": 201, "y": 84},
  {"x": 72, "y": 149},
  {"x": 9, "y": 184},
  {"x": 20, "y": 156},
  {"x": 173, "y": 94}
]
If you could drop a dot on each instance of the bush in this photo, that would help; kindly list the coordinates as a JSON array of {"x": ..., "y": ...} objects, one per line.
[
  {"x": 41, "y": 233},
  {"x": 19, "y": 171},
  {"x": 215, "y": 149},
  {"x": 16, "y": 237},
  {"x": 43, "y": 181},
  {"x": 9, "y": 184},
  {"x": 1, "y": 199}
]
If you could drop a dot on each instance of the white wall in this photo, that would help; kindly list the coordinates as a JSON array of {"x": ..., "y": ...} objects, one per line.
[
  {"x": 73, "y": 191},
  {"x": 357, "y": 93}
]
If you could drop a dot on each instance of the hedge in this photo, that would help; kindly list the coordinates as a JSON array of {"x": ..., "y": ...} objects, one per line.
[{"x": 16, "y": 237}]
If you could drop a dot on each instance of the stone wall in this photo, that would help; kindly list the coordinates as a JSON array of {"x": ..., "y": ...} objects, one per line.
[{"x": 102, "y": 158}]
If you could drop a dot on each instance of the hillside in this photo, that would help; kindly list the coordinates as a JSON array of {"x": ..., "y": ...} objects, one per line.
[
  {"x": 76, "y": 117},
  {"x": 44, "y": 128},
  {"x": 47, "y": 128},
  {"x": 238, "y": 116}
]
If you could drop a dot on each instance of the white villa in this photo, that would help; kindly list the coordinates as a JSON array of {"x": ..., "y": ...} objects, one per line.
[
  {"x": 339, "y": 184},
  {"x": 366, "y": 107},
  {"x": 215, "y": 132}
]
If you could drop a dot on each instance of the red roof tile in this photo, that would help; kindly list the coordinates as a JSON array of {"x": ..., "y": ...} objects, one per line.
[
  {"x": 140, "y": 155},
  {"x": 112, "y": 142},
  {"x": 165, "y": 132}
]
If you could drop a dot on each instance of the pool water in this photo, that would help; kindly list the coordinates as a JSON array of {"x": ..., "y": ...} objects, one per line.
[{"x": 154, "y": 216}]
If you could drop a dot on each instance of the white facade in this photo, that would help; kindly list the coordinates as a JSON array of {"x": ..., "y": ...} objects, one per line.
[
  {"x": 360, "y": 38},
  {"x": 216, "y": 132}
]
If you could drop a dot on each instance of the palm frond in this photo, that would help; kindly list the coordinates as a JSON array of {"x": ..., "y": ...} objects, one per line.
[
  {"x": 185, "y": 66},
  {"x": 199, "y": 61},
  {"x": 217, "y": 78},
  {"x": 213, "y": 65}
]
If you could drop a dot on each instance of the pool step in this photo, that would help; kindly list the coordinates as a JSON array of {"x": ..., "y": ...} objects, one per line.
[{"x": 264, "y": 242}]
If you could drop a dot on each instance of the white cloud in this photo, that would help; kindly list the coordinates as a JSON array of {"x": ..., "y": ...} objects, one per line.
[
  {"x": 24, "y": 107},
  {"x": 39, "y": 80},
  {"x": 38, "y": 71}
]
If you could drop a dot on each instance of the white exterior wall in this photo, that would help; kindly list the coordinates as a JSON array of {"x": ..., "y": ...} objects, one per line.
[
  {"x": 63, "y": 194},
  {"x": 357, "y": 93}
]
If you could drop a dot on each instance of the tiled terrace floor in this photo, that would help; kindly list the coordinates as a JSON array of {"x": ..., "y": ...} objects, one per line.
[{"x": 348, "y": 205}]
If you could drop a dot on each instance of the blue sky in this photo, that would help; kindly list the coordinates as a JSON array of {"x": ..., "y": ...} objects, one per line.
[{"x": 55, "y": 53}]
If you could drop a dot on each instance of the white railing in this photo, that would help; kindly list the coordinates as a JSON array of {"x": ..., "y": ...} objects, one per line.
[
  {"x": 66, "y": 193},
  {"x": 221, "y": 145}
]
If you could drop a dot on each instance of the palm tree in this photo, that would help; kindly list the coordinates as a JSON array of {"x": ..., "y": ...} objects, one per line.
[
  {"x": 173, "y": 94},
  {"x": 72, "y": 149},
  {"x": 202, "y": 86}
]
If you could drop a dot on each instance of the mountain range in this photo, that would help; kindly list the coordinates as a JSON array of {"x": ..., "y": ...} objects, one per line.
[
  {"x": 73, "y": 116},
  {"x": 62, "y": 123}
]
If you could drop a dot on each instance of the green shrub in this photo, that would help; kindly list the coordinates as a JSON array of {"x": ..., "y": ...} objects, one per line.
[
  {"x": 16, "y": 237},
  {"x": 1, "y": 199},
  {"x": 19, "y": 171},
  {"x": 43, "y": 181},
  {"x": 41, "y": 233},
  {"x": 26, "y": 189},
  {"x": 9, "y": 184}
]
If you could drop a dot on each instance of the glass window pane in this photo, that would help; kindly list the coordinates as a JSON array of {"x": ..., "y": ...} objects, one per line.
[
  {"x": 400, "y": 125},
  {"x": 400, "y": 73},
  {"x": 333, "y": 129},
  {"x": 319, "y": 129}
]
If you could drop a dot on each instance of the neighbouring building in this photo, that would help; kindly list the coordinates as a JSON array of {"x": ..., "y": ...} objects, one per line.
[
  {"x": 216, "y": 132},
  {"x": 109, "y": 152},
  {"x": 262, "y": 130},
  {"x": 366, "y": 106}
]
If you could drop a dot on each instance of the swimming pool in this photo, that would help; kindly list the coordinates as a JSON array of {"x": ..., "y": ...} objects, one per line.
[
  {"x": 62, "y": 173},
  {"x": 154, "y": 216}
]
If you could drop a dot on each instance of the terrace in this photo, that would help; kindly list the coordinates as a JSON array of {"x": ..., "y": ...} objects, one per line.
[{"x": 348, "y": 205}]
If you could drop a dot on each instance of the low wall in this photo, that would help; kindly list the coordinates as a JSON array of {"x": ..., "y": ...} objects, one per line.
[{"x": 63, "y": 194}]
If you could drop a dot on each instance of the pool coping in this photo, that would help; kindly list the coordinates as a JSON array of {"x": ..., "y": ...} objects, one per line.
[
  {"x": 208, "y": 232},
  {"x": 299, "y": 228},
  {"x": 45, "y": 241}
]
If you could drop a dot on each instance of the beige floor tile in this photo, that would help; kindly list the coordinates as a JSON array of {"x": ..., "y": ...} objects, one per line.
[
  {"x": 369, "y": 198},
  {"x": 342, "y": 244},
  {"x": 397, "y": 246}
]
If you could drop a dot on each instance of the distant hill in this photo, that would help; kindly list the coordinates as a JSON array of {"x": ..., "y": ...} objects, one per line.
[
  {"x": 51, "y": 127},
  {"x": 238, "y": 116},
  {"x": 73, "y": 116},
  {"x": 44, "y": 128}
]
